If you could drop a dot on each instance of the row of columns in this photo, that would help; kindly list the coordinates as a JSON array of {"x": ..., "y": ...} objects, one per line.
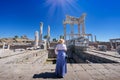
[
  {"x": 72, "y": 30},
  {"x": 111, "y": 43},
  {"x": 72, "y": 20},
  {"x": 38, "y": 36}
]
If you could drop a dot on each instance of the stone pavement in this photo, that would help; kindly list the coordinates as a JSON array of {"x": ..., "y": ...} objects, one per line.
[
  {"x": 31, "y": 57},
  {"x": 106, "y": 55},
  {"x": 7, "y": 53},
  {"x": 46, "y": 72},
  {"x": 109, "y": 53}
]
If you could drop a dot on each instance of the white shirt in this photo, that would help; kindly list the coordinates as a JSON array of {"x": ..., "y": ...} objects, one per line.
[{"x": 60, "y": 47}]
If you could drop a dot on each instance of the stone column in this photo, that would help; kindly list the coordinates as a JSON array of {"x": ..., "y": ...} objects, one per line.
[
  {"x": 8, "y": 47},
  {"x": 88, "y": 37},
  {"x": 48, "y": 37},
  {"x": 72, "y": 31},
  {"x": 36, "y": 39},
  {"x": 115, "y": 44},
  {"x": 91, "y": 38},
  {"x": 78, "y": 30},
  {"x": 48, "y": 33},
  {"x": 45, "y": 45},
  {"x": 95, "y": 38},
  {"x": 111, "y": 45},
  {"x": 83, "y": 23},
  {"x": 83, "y": 28},
  {"x": 41, "y": 31},
  {"x": 3, "y": 45},
  {"x": 65, "y": 32}
]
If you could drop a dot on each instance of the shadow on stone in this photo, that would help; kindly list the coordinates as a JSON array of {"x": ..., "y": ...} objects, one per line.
[{"x": 45, "y": 75}]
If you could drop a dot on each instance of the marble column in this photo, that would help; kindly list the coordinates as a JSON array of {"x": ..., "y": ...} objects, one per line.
[
  {"x": 72, "y": 31},
  {"x": 83, "y": 23},
  {"x": 48, "y": 37},
  {"x": 91, "y": 38},
  {"x": 78, "y": 30},
  {"x": 8, "y": 47},
  {"x": 83, "y": 28},
  {"x": 41, "y": 31},
  {"x": 36, "y": 39},
  {"x": 111, "y": 44},
  {"x": 48, "y": 33},
  {"x": 3, "y": 45},
  {"x": 115, "y": 44},
  {"x": 95, "y": 38},
  {"x": 65, "y": 32},
  {"x": 88, "y": 37}
]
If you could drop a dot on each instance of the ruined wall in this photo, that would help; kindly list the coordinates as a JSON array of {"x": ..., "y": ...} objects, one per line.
[
  {"x": 51, "y": 53},
  {"x": 20, "y": 46},
  {"x": 31, "y": 58}
]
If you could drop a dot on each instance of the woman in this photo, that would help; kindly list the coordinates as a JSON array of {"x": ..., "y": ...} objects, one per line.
[{"x": 61, "y": 67}]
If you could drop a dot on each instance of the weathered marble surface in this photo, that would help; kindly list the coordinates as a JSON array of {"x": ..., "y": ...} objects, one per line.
[{"x": 46, "y": 71}]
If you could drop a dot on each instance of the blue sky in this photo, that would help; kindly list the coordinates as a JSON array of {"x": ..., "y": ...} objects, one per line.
[{"x": 19, "y": 17}]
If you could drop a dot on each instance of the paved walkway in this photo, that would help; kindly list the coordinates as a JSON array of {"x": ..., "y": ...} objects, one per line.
[{"x": 46, "y": 71}]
